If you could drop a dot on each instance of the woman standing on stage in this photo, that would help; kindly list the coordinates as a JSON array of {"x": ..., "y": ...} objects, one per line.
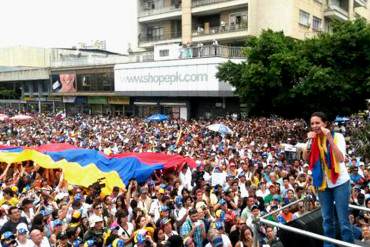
[{"x": 325, "y": 152}]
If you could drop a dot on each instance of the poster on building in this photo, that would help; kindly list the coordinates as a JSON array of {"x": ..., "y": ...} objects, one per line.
[{"x": 64, "y": 83}]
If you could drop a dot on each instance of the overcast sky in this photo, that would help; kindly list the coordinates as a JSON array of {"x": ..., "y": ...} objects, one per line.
[{"x": 64, "y": 23}]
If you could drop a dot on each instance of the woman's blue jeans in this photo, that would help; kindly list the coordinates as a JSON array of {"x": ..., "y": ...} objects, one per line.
[{"x": 336, "y": 200}]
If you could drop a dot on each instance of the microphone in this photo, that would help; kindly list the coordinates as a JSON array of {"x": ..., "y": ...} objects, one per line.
[{"x": 309, "y": 144}]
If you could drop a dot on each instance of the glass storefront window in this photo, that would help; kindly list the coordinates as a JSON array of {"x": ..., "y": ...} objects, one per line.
[{"x": 95, "y": 82}]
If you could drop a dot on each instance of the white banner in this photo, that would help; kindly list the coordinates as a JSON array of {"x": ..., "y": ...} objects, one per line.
[{"x": 177, "y": 75}]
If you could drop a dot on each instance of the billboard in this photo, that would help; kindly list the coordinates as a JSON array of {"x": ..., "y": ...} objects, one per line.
[
  {"x": 176, "y": 75},
  {"x": 64, "y": 83}
]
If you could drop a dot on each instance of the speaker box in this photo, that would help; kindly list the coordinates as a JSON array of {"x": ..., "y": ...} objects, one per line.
[{"x": 311, "y": 222}]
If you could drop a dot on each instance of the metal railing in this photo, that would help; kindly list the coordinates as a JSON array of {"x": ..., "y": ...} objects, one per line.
[
  {"x": 227, "y": 28},
  {"x": 307, "y": 233},
  {"x": 141, "y": 57},
  {"x": 197, "y": 3},
  {"x": 214, "y": 51},
  {"x": 156, "y": 11},
  {"x": 165, "y": 36}
]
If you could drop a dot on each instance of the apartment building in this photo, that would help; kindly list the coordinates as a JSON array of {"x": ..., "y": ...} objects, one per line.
[{"x": 231, "y": 21}]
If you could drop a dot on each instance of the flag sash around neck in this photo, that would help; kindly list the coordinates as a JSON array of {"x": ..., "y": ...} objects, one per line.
[{"x": 323, "y": 163}]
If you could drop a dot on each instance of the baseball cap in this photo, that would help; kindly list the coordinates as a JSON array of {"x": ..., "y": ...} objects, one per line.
[
  {"x": 140, "y": 236},
  {"x": 45, "y": 212},
  {"x": 178, "y": 200},
  {"x": 217, "y": 241},
  {"x": 76, "y": 214},
  {"x": 57, "y": 222},
  {"x": 254, "y": 207},
  {"x": 7, "y": 235},
  {"x": 165, "y": 220},
  {"x": 242, "y": 174},
  {"x": 164, "y": 208},
  {"x": 222, "y": 201},
  {"x": 95, "y": 219},
  {"x": 77, "y": 243},
  {"x": 89, "y": 243},
  {"x": 276, "y": 197},
  {"x": 22, "y": 228},
  {"x": 118, "y": 243},
  {"x": 219, "y": 225}
]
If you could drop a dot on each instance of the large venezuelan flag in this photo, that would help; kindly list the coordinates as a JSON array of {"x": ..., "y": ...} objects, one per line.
[{"x": 85, "y": 166}]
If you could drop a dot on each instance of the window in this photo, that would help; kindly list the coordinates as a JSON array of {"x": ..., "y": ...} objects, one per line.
[
  {"x": 316, "y": 23},
  {"x": 304, "y": 18},
  {"x": 164, "y": 53}
]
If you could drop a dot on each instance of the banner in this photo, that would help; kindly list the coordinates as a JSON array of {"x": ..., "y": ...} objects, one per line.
[
  {"x": 119, "y": 100},
  {"x": 97, "y": 100},
  {"x": 64, "y": 83}
]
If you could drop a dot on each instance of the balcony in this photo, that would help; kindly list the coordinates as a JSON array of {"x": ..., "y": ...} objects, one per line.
[
  {"x": 149, "y": 40},
  {"x": 214, "y": 6},
  {"x": 197, "y": 3},
  {"x": 156, "y": 14},
  {"x": 360, "y": 3},
  {"x": 213, "y": 51},
  {"x": 224, "y": 32},
  {"x": 336, "y": 12}
]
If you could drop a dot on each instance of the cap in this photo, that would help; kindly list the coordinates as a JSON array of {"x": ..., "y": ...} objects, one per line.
[
  {"x": 217, "y": 241},
  {"x": 192, "y": 211},
  {"x": 165, "y": 220},
  {"x": 89, "y": 243},
  {"x": 45, "y": 212},
  {"x": 76, "y": 214},
  {"x": 114, "y": 227},
  {"x": 219, "y": 213},
  {"x": 118, "y": 243},
  {"x": 178, "y": 200},
  {"x": 164, "y": 208},
  {"x": 219, "y": 225},
  {"x": 78, "y": 197},
  {"x": 95, "y": 219},
  {"x": 57, "y": 222},
  {"x": 77, "y": 243},
  {"x": 222, "y": 201},
  {"x": 140, "y": 236},
  {"x": 241, "y": 174},
  {"x": 7, "y": 235},
  {"x": 62, "y": 235},
  {"x": 276, "y": 197},
  {"x": 254, "y": 207}
]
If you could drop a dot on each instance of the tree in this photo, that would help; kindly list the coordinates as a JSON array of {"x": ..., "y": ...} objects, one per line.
[
  {"x": 361, "y": 139},
  {"x": 293, "y": 78}
]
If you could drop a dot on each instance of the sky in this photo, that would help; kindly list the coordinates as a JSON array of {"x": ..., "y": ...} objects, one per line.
[{"x": 65, "y": 23}]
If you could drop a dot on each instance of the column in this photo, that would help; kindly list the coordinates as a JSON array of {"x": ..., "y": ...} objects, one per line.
[
  {"x": 186, "y": 21},
  {"x": 351, "y": 11}
]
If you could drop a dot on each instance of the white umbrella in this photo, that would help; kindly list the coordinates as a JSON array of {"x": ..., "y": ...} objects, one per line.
[
  {"x": 3, "y": 117},
  {"x": 220, "y": 128},
  {"x": 21, "y": 117}
]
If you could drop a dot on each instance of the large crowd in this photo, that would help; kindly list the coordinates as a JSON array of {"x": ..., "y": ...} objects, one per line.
[{"x": 239, "y": 178}]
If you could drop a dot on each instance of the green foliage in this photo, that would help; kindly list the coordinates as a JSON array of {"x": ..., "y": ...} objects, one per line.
[
  {"x": 361, "y": 139},
  {"x": 293, "y": 78}
]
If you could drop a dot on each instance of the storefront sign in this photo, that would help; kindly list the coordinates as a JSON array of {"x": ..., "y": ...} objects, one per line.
[
  {"x": 119, "y": 100},
  {"x": 98, "y": 100},
  {"x": 177, "y": 75},
  {"x": 69, "y": 99}
]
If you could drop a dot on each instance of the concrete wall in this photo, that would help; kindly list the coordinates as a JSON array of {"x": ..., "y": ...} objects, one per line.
[
  {"x": 314, "y": 9},
  {"x": 270, "y": 14},
  {"x": 25, "y": 56},
  {"x": 23, "y": 75}
]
